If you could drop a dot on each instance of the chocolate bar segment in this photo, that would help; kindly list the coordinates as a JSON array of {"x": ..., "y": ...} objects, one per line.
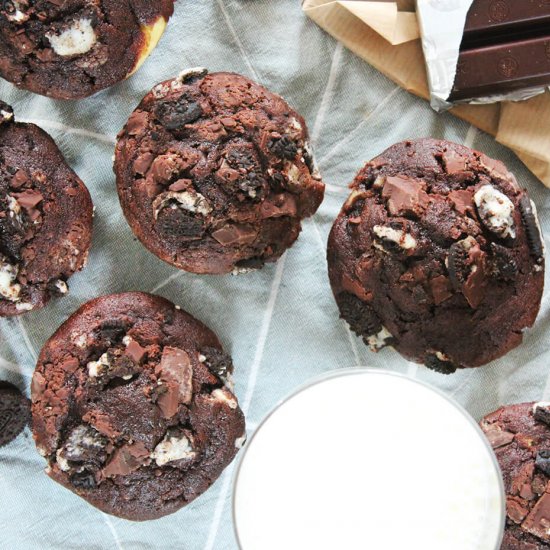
[
  {"x": 491, "y": 21},
  {"x": 502, "y": 68}
]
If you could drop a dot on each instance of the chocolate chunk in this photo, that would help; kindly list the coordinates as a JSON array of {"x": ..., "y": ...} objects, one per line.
[
  {"x": 135, "y": 351},
  {"x": 126, "y": 459},
  {"x": 498, "y": 437},
  {"x": 176, "y": 375},
  {"x": 441, "y": 289},
  {"x": 542, "y": 461},
  {"x": 532, "y": 227},
  {"x": 467, "y": 270},
  {"x": 279, "y": 205},
  {"x": 454, "y": 162},
  {"x": 14, "y": 413},
  {"x": 234, "y": 234},
  {"x": 405, "y": 195},
  {"x": 538, "y": 521},
  {"x": 463, "y": 201}
]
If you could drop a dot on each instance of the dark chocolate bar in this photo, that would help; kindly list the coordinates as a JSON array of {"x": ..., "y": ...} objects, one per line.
[
  {"x": 491, "y": 21},
  {"x": 502, "y": 68}
]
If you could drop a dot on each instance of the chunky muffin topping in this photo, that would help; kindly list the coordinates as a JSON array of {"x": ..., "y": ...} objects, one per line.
[
  {"x": 70, "y": 49},
  {"x": 37, "y": 251},
  {"x": 520, "y": 436},
  {"x": 214, "y": 172},
  {"x": 135, "y": 404},
  {"x": 434, "y": 244}
]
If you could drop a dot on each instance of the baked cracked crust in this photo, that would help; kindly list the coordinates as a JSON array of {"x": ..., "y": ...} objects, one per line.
[
  {"x": 45, "y": 218},
  {"x": 437, "y": 252},
  {"x": 215, "y": 174},
  {"x": 70, "y": 49},
  {"x": 133, "y": 407},
  {"x": 520, "y": 437}
]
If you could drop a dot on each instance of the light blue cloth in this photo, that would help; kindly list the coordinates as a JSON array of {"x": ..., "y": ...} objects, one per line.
[{"x": 280, "y": 324}]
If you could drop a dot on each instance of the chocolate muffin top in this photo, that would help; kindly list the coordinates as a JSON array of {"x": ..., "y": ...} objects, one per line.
[
  {"x": 215, "y": 173},
  {"x": 438, "y": 253},
  {"x": 70, "y": 49},
  {"x": 133, "y": 407},
  {"x": 520, "y": 437},
  {"x": 45, "y": 218}
]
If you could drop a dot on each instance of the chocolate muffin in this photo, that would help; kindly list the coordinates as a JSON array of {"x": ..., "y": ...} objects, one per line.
[
  {"x": 45, "y": 218},
  {"x": 520, "y": 437},
  {"x": 133, "y": 406},
  {"x": 438, "y": 253},
  {"x": 70, "y": 49},
  {"x": 215, "y": 173}
]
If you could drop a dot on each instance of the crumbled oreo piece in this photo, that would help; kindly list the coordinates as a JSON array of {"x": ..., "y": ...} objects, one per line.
[
  {"x": 361, "y": 317},
  {"x": 14, "y": 413},
  {"x": 532, "y": 227},
  {"x": 83, "y": 480},
  {"x": 283, "y": 147},
  {"x": 542, "y": 462},
  {"x": 438, "y": 365},
  {"x": 219, "y": 362},
  {"x": 179, "y": 112},
  {"x": 503, "y": 264},
  {"x": 541, "y": 412}
]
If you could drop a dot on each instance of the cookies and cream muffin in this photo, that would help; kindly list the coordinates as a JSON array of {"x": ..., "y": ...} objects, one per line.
[
  {"x": 438, "y": 253},
  {"x": 45, "y": 218},
  {"x": 215, "y": 173},
  {"x": 133, "y": 406},
  {"x": 70, "y": 49}
]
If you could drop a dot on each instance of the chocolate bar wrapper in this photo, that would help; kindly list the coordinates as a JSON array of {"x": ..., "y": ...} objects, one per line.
[{"x": 442, "y": 25}]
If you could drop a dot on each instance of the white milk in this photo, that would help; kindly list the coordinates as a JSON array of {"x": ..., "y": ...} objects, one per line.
[{"x": 368, "y": 460}]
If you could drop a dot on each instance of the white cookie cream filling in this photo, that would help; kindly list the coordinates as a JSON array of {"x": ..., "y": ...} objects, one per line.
[
  {"x": 76, "y": 40},
  {"x": 224, "y": 395},
  {"x": 96, "y": 368},
  {"x": 496, "y": 210},
  {"x": 18, "y": 16},
  {"x": 8, "y": 274},
  {"x": 378, "y": 341},
  {"x": 5, "y": 116},
  {"x": 163, "y": 89},
  {"x": 404, "y": 240},
  {"x": 172, "y": 448},
  {"x": 192, "y": 202}
]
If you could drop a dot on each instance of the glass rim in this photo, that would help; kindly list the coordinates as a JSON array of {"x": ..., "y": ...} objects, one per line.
[{"x": 347, "y": 371}]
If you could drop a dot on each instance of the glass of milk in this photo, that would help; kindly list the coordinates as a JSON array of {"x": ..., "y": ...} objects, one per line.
[{"x": 364, "y": 459}]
